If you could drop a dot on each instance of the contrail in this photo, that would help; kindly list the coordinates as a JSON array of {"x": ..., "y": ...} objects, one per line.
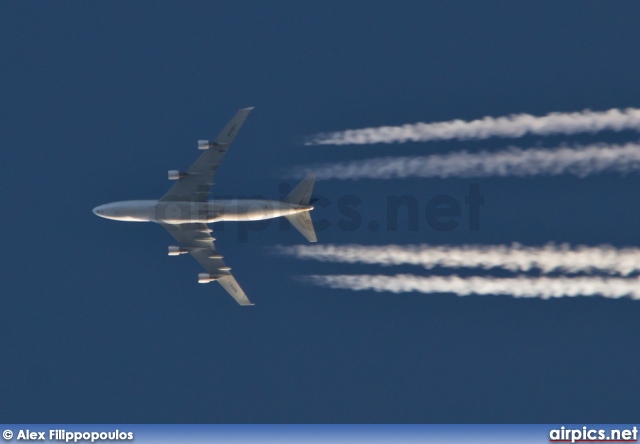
[
  {"x": 517, "y": 258},
  {"x": 518, "y": 287},
  {"x": 514, "y": 125},
  {"x": 580, "y": 161}
]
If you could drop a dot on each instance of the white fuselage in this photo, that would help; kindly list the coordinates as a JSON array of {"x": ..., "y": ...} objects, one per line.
[{"x": 192, "y": 212}]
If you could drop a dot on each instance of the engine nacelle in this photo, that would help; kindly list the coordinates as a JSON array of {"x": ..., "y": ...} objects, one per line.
[
  {"x": 204, "y": 144},
  {"x": 175, "y": 174},
  {"x": 205, "y": 278},
  {"x": 177, "y": 251}
]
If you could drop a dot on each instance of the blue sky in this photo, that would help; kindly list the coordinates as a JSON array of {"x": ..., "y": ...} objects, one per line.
[{"x": 100, "y": 99}]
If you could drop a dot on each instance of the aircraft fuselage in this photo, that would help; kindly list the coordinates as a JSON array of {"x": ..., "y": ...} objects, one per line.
[{"x": 197, "y": 212}]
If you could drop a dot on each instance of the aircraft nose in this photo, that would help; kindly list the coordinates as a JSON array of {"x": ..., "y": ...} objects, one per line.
[{"x": 97, "y": 210}]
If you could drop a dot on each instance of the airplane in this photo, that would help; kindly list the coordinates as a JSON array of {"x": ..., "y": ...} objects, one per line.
[{"x": 184, "y": 211}]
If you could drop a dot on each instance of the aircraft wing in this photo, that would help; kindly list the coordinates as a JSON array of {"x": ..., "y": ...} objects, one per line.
[
  {"x": 196, "y": 238},
  {"x": 194, "y": 186}
]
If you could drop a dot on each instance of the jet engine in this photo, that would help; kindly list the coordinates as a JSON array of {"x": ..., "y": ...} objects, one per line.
[
  {"x": 177, "y": 251},
  {"x": 205, "y": 278},
  {"x": 204, "y": 145},
  {"x": 175, "y": 174}
]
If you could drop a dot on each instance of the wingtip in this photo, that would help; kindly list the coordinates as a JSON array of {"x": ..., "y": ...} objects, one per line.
[{"x": 248, "y": 108}]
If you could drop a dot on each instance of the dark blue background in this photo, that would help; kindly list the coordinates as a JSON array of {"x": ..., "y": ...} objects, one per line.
[{"x": 100, "y": 99}]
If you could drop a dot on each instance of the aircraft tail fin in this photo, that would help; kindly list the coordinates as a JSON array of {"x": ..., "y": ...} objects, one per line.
[{"x": 301, "y": 195}]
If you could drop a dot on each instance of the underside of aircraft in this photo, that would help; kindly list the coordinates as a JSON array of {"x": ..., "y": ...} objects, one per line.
[{"x": 184, "y": 211}]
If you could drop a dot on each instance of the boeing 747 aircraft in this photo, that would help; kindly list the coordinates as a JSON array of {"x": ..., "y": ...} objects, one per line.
[{"x": 184, "y": 211}]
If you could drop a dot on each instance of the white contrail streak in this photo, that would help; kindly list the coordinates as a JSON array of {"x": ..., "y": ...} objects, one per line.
[
  {"x": 580, "y": 161},
  {"x": 517, "y": 258},
  {"x": 519, "y": 287},
  {"x": 515, "y": 125}
]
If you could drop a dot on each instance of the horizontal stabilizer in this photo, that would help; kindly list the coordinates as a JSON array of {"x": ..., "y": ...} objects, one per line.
[
  {"x": 301, "y": 194},
  {"x": 302, "y": 222}
]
